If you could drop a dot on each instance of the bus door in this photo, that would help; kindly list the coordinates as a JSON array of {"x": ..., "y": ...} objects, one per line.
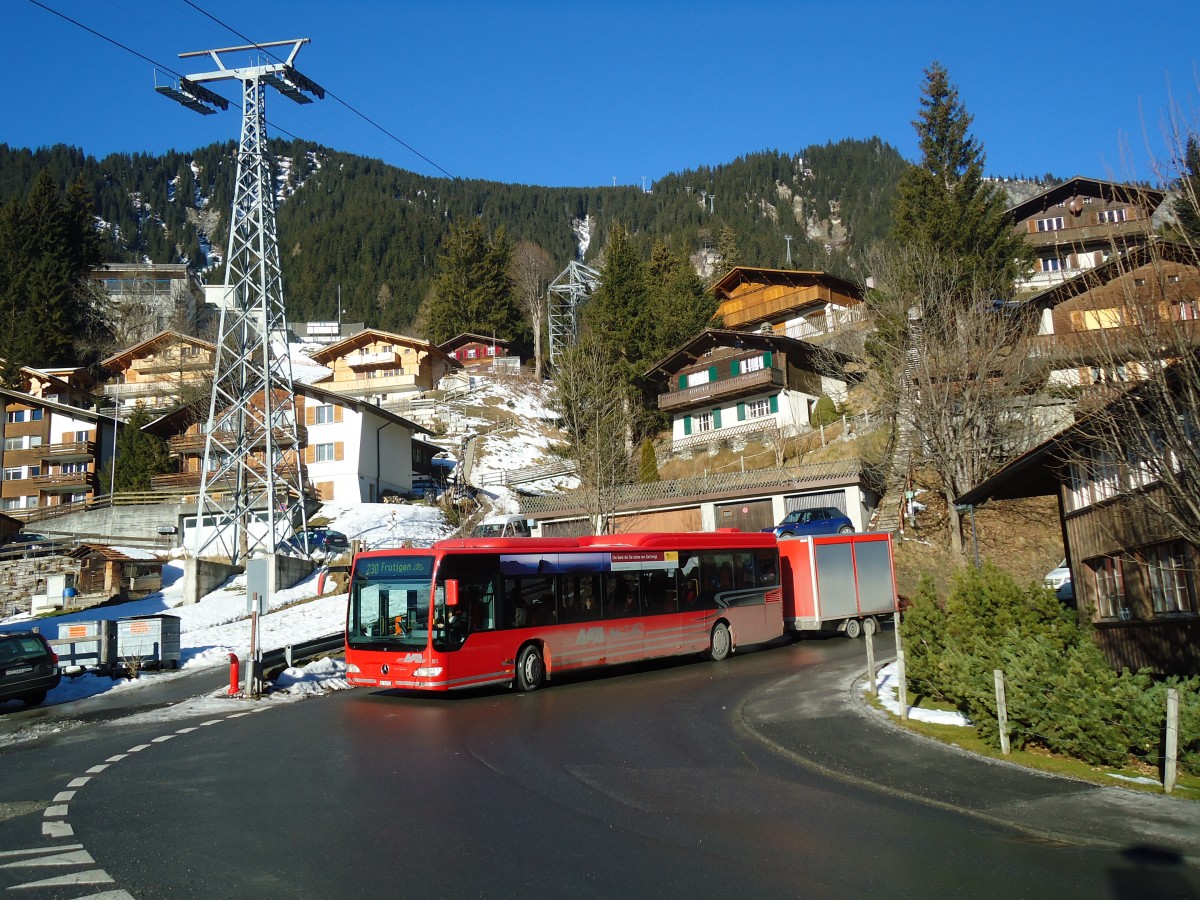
[
  {"x": 469, "y": 632},
  {"x": 660, "y": 605},
  {"x": 624, "y": 627}
]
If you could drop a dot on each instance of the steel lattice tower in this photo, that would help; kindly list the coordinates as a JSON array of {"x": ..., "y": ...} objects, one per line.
[
  {"x": 573, "y": 285},
  {"x": 252, "y": 485}
]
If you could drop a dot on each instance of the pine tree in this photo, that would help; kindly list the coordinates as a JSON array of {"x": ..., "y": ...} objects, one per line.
[
  {"x": 473, "y": 291},
  {"x": 47, "y": 246},
  {"x": 727, "y": 249},
  {"x": 617, "y": 310},
  {"x": 945, "y": 203},
  {"x": 139, "y": 455},
  {"x": 1187, "y": 205}
]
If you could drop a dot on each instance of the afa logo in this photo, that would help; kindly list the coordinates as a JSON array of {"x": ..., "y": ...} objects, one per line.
[{"x": 589, "y": 636}]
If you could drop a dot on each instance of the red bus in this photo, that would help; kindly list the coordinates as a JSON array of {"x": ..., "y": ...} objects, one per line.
[{"x": 470, "y": 612}]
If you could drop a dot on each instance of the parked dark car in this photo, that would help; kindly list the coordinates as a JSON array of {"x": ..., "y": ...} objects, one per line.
[
  {"x": 320, "y": 540},
  {"x": 28, "y": 667},
  {"x": 821, "y": 520}
]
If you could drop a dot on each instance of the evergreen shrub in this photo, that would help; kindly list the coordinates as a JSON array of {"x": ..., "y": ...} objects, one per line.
[
  {"x": 825, "y": 412},
  {"x": 1061, "y": 692}
]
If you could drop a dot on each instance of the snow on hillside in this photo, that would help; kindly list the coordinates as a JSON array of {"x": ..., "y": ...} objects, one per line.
[{"x": 218, "y": 624}]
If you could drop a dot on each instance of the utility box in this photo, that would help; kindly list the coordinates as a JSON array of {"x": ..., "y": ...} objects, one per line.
[
  {"x": 87, "y": 644},
  {"x": 151, "y": 640}
]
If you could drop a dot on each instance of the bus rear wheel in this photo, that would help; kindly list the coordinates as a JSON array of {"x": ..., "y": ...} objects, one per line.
[
  {"x": 720, "y": 644},
  {"x": 531, "y": 669}
]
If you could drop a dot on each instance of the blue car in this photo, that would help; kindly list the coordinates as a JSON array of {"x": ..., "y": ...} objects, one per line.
[
  {"x": 320, "y": 540},
  {"x": 821, "y": 520}
]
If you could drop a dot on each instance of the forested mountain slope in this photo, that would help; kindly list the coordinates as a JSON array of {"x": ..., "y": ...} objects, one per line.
[{"x": 375, "y": 230}]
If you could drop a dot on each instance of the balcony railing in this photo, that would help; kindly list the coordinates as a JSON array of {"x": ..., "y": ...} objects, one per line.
[
  {"x": 70, "y": 481},
  {"x": 1111, "y": 345},
  {"x": 382, "y": 358},
  {"x": 1118, "y": 232},
  {"x": 139, "y": 389},
  {"x": 75, "y": 451},
  {"x": 724, "y": 388},
  {"x": 192, "y": 443},
  {"x": 364, "y": 387},
  {"x": 172, "y": 364}
]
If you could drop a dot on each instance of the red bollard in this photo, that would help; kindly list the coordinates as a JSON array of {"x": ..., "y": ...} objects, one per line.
[{"x": 234, "y": 676}]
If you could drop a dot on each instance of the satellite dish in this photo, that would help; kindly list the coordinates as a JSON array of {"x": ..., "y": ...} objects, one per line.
[{"x": 1076, "y": 206}]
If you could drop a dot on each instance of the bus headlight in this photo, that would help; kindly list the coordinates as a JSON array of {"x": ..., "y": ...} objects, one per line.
[{"x": 428, "y": 672}]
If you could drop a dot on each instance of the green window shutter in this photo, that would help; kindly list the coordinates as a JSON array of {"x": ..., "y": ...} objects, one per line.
[
  {"x": 741, "y": 412},
  {"x": 767, "y": 359},
  {"x": 733, "y": 368},
  {"x": 774, "y": 403},
  {"x": 712, "y": 373},
  {"x": 717, "y": 418},
  {"x": 682, "y": 382},
  {"x": 687, "y": 425}
]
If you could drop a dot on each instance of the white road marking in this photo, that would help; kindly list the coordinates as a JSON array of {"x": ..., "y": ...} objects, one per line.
[
  {"x": 92, "y": 876},
  {"x": 40, "y": 850},
  {"x": 72, "y": 858}
]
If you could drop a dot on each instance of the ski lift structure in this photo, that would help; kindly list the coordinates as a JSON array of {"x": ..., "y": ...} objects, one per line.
[{"x": 568, "y": 292}]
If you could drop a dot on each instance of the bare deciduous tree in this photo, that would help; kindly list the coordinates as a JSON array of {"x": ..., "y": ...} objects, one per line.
[
  {"x": 949, "y": 359},
  {"x": 1139, "y": 393},
  {"x": 531, "y": 272},
  {"x": 592, "y": 398}
]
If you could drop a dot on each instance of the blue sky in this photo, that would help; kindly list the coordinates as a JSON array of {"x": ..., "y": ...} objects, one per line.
[{"x": 562, "y": 93}]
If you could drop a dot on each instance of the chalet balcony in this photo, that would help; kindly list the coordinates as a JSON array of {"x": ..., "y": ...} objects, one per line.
[
  {"x": 75, "y": 451},
  {"x": 1084, "y": 235},
  {"x": 194, "y": 443},
  {"x": 169, "y": 364},
  {"x": 367, "y": 387},
  {"x": 1102, "y": 346},
  {"x": 71, "y": 481},
  {"x": 140, "y": 390},
  {"x": 383, "y": 358},
  {"x": 723, "y": 389}
]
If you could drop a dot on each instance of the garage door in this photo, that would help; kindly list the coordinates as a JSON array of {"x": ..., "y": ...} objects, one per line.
[
  {"x": 836, "y": 499},
  {"x": 749, "y": 515}
]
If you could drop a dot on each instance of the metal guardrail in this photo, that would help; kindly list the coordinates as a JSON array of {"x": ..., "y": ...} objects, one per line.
[
  {"x": 294, "y": 653},
  {"x": 532, "y": 473}
]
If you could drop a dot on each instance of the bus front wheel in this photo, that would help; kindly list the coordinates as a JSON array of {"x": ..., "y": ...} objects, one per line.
[
  {"x": 721, "y": 644},
  {"x": 531, "y": 670}
]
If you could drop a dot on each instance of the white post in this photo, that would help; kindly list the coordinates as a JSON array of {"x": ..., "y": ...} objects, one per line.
[
  {"x": 901, "y": 675},
  {"x": 1001, "y": 710},
  {"x": 870, "y": 642},
  {"x": 1172, "y": 748}
]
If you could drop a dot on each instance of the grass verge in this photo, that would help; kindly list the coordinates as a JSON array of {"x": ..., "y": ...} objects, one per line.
[{"x": 1187, "y": 787}]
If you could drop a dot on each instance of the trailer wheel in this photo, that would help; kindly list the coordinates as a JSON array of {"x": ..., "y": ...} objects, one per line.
[
  {"x": 853, "y": 628},
  {"x": 531, "y": 669},
  {"x": 720, "y": 643},
  {"x": 870, "y": 626}
]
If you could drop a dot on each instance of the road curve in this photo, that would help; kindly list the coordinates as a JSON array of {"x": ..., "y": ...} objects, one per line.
[{"x": 636, "y": 781}]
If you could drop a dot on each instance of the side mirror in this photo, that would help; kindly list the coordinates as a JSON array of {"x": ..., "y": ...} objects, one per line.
[{"x": 451, "y": 586}]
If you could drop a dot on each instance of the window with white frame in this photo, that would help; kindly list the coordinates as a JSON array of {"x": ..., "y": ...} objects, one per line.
[
  {"x": 323, "y": 415},
  {"x": 704, "y": 422},
  {"x": 1110, "y": 586},
  {"x": 756, "y": 409},
  {"x": 82, "y": 436},
  {"x": 1053, "y": 223},
  {"x": 1171, "y": 586},
  {"x": 695, "y": 378},
  {"x": 1189, "y": 310},
  {"x": 16, "y": 473},
  {"x": 1111, "y": 216},
  {"x": 12, "y": 503},
  {"x": 323, "y": 453},
  {"x": 1053, "y": 264},
  {"x": 17, "y": 416},
  {"x": 753, "y": 364}
]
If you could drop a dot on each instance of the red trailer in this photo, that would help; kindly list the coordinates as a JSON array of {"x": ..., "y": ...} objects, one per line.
[{"x": 837, "y": 582}]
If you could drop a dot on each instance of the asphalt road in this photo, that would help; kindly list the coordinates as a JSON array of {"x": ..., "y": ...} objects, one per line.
[{"x": 636, "y": 782}]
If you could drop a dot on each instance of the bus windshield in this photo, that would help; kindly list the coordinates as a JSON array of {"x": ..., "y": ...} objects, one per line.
[{"x": 389, "y": 603}]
